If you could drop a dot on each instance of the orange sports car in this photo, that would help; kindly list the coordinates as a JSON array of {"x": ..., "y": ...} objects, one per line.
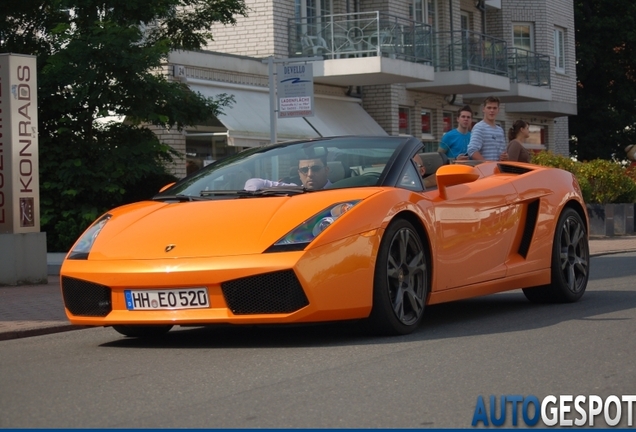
[{"x": 329, "y": 229}]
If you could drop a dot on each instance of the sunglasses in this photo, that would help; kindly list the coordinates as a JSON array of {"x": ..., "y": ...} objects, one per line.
[{"x": 313, "y": 168}]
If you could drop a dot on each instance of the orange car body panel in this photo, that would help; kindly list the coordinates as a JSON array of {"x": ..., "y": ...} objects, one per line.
[{"x": 473, "y": 230}]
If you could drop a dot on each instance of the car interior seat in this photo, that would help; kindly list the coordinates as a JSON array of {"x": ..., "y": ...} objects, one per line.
[
  {"x": 336, "y": 171},
  {"x": 432, "y": 161}
]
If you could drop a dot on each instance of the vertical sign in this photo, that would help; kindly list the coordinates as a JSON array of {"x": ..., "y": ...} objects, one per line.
[
  {"x": 19, "y": 177},
  {"x": 295, "y": 90}
]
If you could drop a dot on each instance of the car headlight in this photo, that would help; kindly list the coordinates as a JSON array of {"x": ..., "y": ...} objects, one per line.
[
  {"x": 306, "y": 232},
  {"x": 83, "y": 246}
]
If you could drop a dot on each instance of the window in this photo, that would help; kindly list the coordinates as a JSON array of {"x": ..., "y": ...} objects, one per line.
[
  {"x": 559, "y": 50},
  {"x": 523, "y": 36},
  {"x": 465, "y": 21},
  {"x": 404, "y": 116},
  {"x": 426, "y": 123},
  {"x": 448, "y": 121},
  {"x": 431, "y": 13},
  {"x": 424, "y": 11},
  {"x": 537, "y": 135},
  {"x": 309, "y": 14}
]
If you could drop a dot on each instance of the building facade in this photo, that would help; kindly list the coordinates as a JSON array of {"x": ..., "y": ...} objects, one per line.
[{"x": 386, "y": 67}]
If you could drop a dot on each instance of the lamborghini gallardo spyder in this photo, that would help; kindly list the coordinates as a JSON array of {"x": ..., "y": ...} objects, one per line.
[{"x": 248, "y": 240}]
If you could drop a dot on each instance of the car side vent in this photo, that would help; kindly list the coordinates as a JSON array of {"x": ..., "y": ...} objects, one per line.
[
  {"x": 512, "y": 169},
  {"x": 270, "y": 293},
  {"x": 83, "y": 298},
  {"x": 528, "y": 228}
]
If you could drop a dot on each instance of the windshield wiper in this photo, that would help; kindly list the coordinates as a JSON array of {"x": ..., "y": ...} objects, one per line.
[
  {"x": 176, "y": 198},
  {"x": 273, "y": 191}
]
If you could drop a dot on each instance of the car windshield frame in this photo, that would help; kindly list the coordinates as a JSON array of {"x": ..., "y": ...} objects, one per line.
[{"x": 353, "y": 161}]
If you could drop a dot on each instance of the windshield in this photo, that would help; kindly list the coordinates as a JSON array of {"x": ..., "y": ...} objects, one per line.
[{"x": 295, "y": 167}]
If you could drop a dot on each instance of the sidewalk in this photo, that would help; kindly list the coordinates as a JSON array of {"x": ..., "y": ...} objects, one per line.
[{"x": 32, "y": 310}]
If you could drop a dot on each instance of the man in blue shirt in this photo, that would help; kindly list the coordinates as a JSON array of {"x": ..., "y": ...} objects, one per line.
[
  {"x": 487, "y": 139},
  {"x": 455, "y": 142}
]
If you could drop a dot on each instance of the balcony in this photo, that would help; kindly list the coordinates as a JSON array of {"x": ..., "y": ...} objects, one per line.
[
  {"x": 529, "y": 74},
  {"x": 366, "y": 48},
  {"x": 467, "y": 62}
]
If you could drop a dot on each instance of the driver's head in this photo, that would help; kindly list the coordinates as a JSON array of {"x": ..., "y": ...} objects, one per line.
[{"x": 314, "y": 173}]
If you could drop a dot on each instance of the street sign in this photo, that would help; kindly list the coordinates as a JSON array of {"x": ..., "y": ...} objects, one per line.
[{"x": 295, "y": 90}]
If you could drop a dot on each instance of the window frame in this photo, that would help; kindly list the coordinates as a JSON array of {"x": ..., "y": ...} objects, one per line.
[
  {"x": 559, "y": 50},
  {"x": 515, "y": 38}
]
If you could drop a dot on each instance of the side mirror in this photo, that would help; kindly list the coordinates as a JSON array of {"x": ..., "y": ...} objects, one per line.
[
  {"x": 166, "y": 187},
  {"x": 451, "y": 175}
]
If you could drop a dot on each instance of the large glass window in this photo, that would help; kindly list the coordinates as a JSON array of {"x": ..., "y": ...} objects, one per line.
[
  {"x": 404, "y": 116},
  {"x": 559, "y": 50}
]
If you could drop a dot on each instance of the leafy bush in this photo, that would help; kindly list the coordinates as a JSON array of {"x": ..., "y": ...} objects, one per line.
[
  {"x": 121, "y": 164},
  {"x": 601, "y": 181}
]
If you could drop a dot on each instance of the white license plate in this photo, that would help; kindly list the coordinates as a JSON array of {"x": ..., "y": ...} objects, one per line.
[{"x": 190, "y": 298}]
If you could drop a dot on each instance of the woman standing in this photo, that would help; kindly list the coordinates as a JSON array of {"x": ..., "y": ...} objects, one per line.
[{"x": 517, "y": 134}]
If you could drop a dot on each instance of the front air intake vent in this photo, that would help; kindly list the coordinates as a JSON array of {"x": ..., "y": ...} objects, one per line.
[
  {"x": 270, "y": 293},
  {"x": 84, "y": 298},
  {"x": 512, "y": 169}
]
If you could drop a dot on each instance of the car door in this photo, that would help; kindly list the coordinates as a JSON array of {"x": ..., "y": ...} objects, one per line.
[{"x": 474, "y": 231}]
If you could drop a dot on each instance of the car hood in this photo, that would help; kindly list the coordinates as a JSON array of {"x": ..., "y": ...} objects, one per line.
[{"x": 208, "y": 228}]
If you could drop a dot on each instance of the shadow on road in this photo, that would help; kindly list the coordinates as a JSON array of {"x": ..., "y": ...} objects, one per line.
[{"x": 493, "y": 314}]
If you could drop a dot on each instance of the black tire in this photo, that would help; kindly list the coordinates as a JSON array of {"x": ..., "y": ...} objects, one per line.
[
  {"x": 143, "y": 331},
  {"x": 570, "y": 263},
  {"x": 400, "y": 282}
]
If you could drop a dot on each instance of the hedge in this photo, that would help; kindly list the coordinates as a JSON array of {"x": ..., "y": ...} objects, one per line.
[{"x": 601, "y": 181}]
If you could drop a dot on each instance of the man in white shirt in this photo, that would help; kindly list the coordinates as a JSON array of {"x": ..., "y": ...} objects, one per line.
[
  {"x": 487, "y": 139},
  {"x": 314, "y": 175}
]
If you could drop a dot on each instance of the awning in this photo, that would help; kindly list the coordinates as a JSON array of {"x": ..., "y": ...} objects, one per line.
[
  {"x": 248, "y": 122},
  {"x": 247, "y": 119},
  {"x": 335, "y": 117}
]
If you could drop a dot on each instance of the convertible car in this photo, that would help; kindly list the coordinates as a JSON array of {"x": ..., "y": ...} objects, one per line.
[{"x": 371, "y": 244}]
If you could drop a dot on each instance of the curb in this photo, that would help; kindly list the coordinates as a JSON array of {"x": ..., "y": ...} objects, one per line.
[{"x": 39, "y": 331}]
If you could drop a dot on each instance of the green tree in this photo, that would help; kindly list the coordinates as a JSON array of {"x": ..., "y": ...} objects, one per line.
[
  {"x": 606, "y": 73},
  {"x": 96, "y": 59}
]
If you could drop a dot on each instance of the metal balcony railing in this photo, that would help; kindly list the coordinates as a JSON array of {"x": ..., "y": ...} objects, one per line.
[
  {"x": 528, "y": 67},
  {"x": 467, "y": 50},
  {"x": 361, "y": 34}
]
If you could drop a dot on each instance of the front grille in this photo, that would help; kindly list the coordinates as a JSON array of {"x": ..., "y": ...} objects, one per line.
[
  {"x": 270, "y": 293},
  {"x": 84, "y": 298}
]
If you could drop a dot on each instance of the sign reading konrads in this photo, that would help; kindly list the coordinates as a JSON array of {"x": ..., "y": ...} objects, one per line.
[{"x": 19, "y": 178}]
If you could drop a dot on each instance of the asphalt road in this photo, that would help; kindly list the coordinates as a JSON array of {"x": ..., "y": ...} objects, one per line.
[{"x": 334, "y": 375}]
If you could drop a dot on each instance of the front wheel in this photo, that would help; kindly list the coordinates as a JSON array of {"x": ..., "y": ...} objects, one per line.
[
  {"x": 400, "y": 282},
  {"x": 142, "y": 331},
  {"x": 570, "y": 262}
]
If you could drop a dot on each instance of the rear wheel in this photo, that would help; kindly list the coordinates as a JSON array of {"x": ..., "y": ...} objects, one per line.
[
  {"x": 400, "y": 282},
  {"x": 143, "y": 331},
  {"x": 570, "y": 262}
]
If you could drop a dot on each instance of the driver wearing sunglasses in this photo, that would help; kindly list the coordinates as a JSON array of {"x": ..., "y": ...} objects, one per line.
[{"x": 314, "y": 175}]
